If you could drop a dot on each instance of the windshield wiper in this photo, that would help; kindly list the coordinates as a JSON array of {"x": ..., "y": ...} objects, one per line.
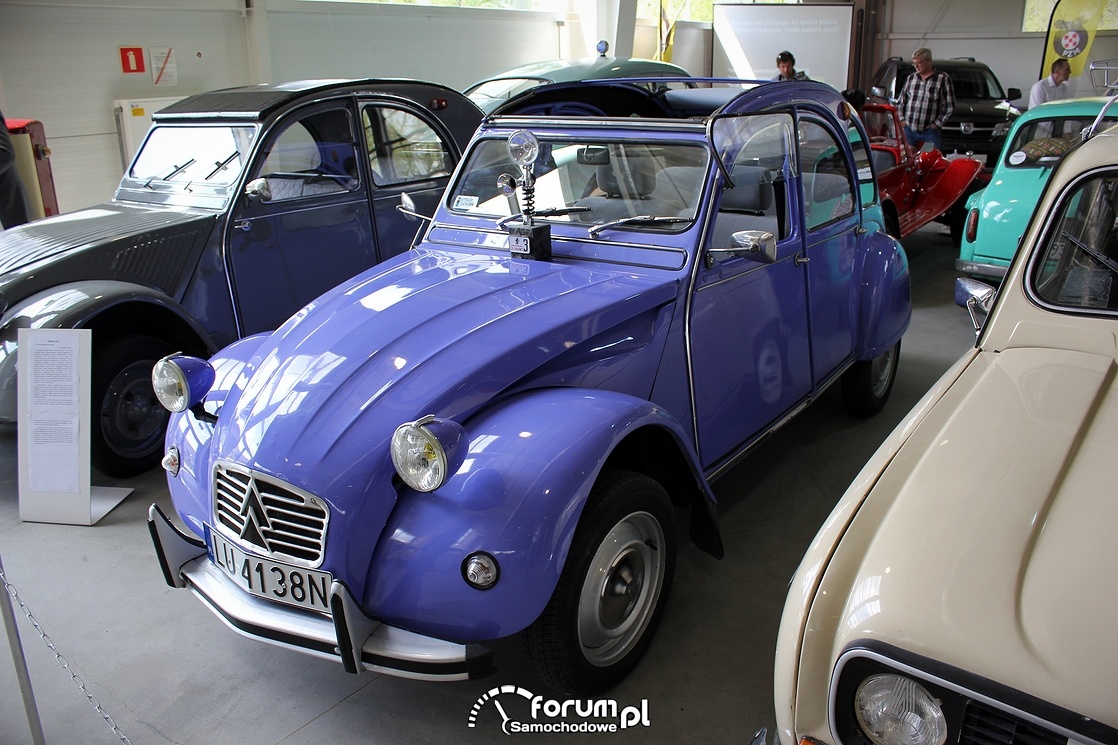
[
  {"x": 595, "y": 230},
  {"x": 221, "y": 166},
  {"x": 177, "y": 170},
  {"x": 550, "y": 212},
  {"x": 1109, "y": 263}
]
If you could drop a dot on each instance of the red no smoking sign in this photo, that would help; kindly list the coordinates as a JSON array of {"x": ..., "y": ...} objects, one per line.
[{"x": 132, "y": 59}]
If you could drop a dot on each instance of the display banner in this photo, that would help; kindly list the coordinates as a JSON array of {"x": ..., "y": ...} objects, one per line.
[{"x": 1071, "y": 29}]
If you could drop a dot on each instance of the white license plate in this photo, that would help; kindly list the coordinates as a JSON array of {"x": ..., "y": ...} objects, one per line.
[{"x": 271, "y": 580}]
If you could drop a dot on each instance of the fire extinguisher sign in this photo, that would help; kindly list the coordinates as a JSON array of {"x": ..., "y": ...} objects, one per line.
[{"x": 132, "y": 59}]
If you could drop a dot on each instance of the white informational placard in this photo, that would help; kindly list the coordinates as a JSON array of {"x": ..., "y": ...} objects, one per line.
[
  {"x": 53, "y": 432},
  {"x": 747, "y": 39}
]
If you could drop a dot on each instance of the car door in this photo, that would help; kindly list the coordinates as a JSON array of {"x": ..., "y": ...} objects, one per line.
[
  {"x": 748, "y": 322},
  {"x": 832, "y": 234},
  {"x": 307, "y": 224},
  {"x": 406, "y": 151}
]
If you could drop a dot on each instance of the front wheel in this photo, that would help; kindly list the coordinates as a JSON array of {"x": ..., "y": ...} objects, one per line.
[
  {"x": 613, "y": 588},
  {"x": 128, "y": 422},
  {"x": 866, "y": 385}
]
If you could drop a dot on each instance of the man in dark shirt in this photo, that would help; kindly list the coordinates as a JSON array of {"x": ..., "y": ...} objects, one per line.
[
  {"x": 13, "y": 200},
  {"x": 927, "y": 100}
]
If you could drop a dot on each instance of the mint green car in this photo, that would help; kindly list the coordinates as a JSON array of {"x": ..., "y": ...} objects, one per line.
[{"x": 998, "y": 214}]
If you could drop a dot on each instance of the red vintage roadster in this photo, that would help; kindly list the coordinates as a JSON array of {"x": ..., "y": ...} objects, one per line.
[{"x": 916, "y": 187}]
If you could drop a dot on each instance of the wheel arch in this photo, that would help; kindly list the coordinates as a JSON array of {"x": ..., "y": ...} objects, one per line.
[
  {"x": 111, "y": 309},
  {"x": 533, "y": 462},
  {"x": 885, "y": 299}
]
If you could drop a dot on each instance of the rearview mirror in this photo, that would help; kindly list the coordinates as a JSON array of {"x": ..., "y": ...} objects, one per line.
[
  {"x": 977, "y": 297},
  {"x": 258, "y": 190}
]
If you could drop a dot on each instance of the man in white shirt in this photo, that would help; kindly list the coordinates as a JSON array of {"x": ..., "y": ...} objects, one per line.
[{"x": 1052, "y": 88}]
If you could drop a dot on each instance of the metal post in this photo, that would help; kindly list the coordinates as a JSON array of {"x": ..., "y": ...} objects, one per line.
[{"x": 20, "y": 663}]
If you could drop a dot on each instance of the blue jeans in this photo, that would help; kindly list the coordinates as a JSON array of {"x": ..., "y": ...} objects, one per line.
[{"x": 916, "y": 138}]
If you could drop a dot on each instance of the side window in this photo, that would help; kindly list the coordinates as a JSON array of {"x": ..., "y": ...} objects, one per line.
[
  {"x": 828, "y": 192},
  {"x": 866, "y": 185},
  {"x": 1077, "y": 267},
  {"x": 403, "y": 147},
  {"x": 759, "y": 152},
  {"x": 312, "y": 155}
]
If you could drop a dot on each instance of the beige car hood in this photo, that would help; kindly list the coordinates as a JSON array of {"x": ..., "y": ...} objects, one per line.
[{"x": 999, "y": 552}]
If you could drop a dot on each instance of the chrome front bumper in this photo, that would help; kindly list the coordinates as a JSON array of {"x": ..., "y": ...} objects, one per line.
[{"x": 347, "y": 635}]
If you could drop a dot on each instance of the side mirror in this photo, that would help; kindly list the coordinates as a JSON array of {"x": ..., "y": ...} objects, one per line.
[
  {"x": 756, "y": 245},
  {"x": 258, "y": 190},
  {"x": 408, "y": 209},
  {"x": 977, "y": 297},
  {"x": 878, "y": 91},
  {"x": 1014, "y": 94}
]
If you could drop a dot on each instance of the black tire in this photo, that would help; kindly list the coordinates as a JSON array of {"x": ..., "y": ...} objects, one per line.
[
  {"x": 866, "y": 385},
  {"x": 128, "y": 423},
  {"x": 892, "y": 225},
  {"x": 593, "y": 631},
  {"x": 956, "y": 223}
]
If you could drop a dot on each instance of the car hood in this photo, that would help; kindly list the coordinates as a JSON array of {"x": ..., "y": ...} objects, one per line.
[
  {"x": 984, "y": 109},
  {"x": 428, "y": 333},
  {"x": 996, "y": 551},
  {"x": 44, "y": 239}
]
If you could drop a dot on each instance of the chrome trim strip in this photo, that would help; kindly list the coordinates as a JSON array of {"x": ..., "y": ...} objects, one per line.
[{"x": 980, "y": 269}]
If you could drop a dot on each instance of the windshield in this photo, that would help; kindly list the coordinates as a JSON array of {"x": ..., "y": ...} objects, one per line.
[
  {"x": 213, "y": 155},
  {"x": 492, "y": 92},
  {"x": 588, "y": 181},
  {"x": 1046, "y": 138}
]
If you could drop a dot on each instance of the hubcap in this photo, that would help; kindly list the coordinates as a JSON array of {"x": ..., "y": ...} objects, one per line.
[
  {"x": 131, "y": 418},
  {"x": 881, "y": 371},
  {"x": 621, "y": 589}
]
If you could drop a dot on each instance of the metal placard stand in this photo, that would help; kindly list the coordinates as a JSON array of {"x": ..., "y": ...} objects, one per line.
[{"x": 53, "y": 377}]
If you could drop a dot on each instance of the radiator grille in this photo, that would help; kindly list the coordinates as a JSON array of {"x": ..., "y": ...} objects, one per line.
[
  {"x": 276, "y": 518},
  {"x": 986, "y": 726}
]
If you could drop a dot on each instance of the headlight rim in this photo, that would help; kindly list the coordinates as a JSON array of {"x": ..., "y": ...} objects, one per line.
[{"x": 447, "y": 438}]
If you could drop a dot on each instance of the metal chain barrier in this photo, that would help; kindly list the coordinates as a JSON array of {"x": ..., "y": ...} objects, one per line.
[{"x": 62, "y": 660}]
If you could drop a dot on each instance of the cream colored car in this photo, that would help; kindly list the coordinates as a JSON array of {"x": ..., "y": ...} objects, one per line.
[{"x": 965, "y": 588}]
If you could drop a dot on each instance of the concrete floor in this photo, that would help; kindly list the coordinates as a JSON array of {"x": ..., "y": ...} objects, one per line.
[{"x": 166, "y": 670}]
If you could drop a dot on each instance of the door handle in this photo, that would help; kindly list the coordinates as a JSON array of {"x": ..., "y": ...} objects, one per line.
[
  {"x": 244, "y": 225},
  {"x": 800, "y": 259}
]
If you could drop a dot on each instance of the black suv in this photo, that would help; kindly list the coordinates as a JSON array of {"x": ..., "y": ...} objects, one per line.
[{"x": 983, "y": 114}]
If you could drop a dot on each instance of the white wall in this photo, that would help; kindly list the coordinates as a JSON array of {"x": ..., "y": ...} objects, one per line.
[{"x": 60, "y": 61}]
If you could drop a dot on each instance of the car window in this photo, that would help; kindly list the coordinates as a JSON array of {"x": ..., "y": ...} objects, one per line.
[
  {"x": 402, "y": 146},
  {"x": 1076, "y": 266},
  {"x": 828, "y": 192},
  {"x": 312, "y": 155},
  {"x": 587, "y": 181},
  {"x": 214, "y": 155},
  {"x": 867, "y": 186},
  {"x": 1045, "y": 138}
]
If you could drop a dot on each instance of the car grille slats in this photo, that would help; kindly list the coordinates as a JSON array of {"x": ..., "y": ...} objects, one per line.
[
  {"x": 985, "y": 726},
  {"x": 277, "y": 519}
]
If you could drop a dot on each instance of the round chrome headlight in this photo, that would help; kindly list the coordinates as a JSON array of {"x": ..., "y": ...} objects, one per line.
[
  {"x": 427, "y": 451},
  {"x": 895, "y": 710},
  {"x": 180, "y": 382}
]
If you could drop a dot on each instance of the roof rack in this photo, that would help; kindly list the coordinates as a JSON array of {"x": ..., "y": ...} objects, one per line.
[{"x": 1104, "y": 74}]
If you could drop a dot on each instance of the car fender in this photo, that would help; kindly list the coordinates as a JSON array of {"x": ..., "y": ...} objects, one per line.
[
  {"x": 78, "y": 305},
  {"x": 885, "y": 295},
  {"x": 518, "y": 497}
]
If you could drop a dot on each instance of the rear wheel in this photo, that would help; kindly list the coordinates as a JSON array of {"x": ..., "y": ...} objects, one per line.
[
  {"x": 128, "y": 422},
  {"x": 866, "y": 385},
  {"x": 892, "y": 225},
  {"x": 612, "y": 591}
]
